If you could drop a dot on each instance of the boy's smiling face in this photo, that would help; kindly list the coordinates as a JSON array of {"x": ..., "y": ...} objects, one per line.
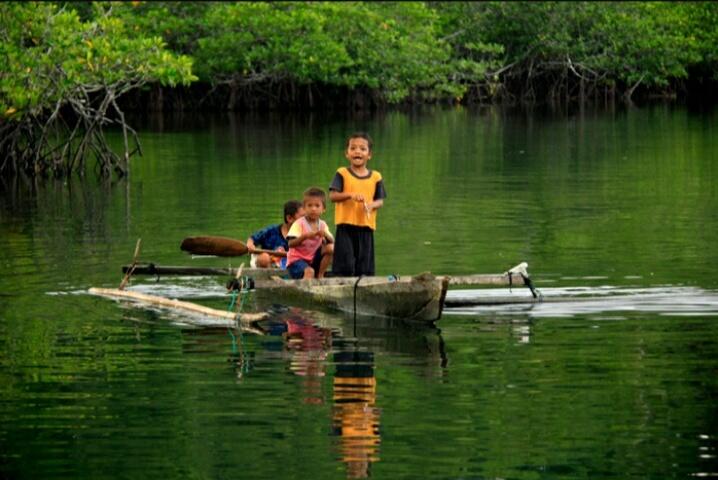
[{"x": 358, "y": 152}]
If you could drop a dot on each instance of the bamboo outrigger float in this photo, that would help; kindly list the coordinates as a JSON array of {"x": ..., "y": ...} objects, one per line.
[{"x": 224, "y": 318}]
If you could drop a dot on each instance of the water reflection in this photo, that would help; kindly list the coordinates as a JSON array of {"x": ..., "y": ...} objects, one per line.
[
  {"x": 309, "y": 346},
  {"x": 355, "y": 417}
]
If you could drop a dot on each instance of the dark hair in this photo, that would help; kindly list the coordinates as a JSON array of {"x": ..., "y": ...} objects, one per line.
[
  {"x": 363, "y": 135},
  {"x": 316, "y": 192},
  {"x": 291, "y": 208}
]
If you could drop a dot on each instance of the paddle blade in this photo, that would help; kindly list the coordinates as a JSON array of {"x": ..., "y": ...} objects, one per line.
[{"x": 220, "y": 246}]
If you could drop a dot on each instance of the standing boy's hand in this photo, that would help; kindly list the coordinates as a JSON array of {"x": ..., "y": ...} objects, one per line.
[{"x": 358, "y": 197}]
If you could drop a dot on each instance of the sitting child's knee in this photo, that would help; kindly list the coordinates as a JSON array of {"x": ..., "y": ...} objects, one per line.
[
  {"x": 309, "y": 272},
  {"x": 263, "y": 260}
]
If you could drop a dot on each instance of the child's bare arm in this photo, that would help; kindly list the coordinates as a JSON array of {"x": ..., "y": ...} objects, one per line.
[
  {"x": 328, "y": 237},
  {"x": 296, "y": 241},
  {"x": 375, "y": 205},
  {"x": 335, "y": 196}
]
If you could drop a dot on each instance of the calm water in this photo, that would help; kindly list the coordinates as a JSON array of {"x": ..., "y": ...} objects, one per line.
[{"x": 618, "y": 206}]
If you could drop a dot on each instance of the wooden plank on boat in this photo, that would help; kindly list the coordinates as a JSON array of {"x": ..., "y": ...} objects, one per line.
[
  {"x": 486, "y": 279},
  {"x": 246, "y": 320},
  {"x": 152, "y": 269},
  {"x": 479, "y": 300}
]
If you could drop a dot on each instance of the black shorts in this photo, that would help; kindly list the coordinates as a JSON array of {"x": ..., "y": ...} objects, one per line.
[{"x": 353, "y": 251}]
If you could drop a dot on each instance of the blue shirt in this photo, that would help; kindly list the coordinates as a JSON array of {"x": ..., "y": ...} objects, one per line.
[{"x": 270, "y": 238}]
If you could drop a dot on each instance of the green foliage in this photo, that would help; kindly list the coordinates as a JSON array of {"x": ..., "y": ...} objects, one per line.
[
  {"x": 392, "y": 50},
  {"x": 701, "y": 25},
  {"x": 50, "y": 55},
  {"x": 431, "y": 50},
  {"x": 54, "y": 61},
  {"x": 625, "y": 42},
  {"x": 253, "y": 42},
  {"x": 180, "y": 24},
  {"x": 389, "y": 48},
  {"x": 639, "y": 42}
]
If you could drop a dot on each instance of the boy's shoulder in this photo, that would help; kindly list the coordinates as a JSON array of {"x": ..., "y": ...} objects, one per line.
[
  {"x": 296, "y": 228},
  {"x": 268, "y": 229},
  {"x": 373, "y": 174}
]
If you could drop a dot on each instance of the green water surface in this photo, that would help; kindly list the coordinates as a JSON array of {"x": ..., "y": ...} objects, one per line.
[{"x": 90, "y": 388}]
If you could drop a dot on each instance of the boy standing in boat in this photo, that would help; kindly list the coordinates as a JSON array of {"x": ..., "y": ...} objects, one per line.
[
  {"x": 310, "y": 243},
  {"x": 274, "y": 237},
  {"x": 357, "y": 192}
]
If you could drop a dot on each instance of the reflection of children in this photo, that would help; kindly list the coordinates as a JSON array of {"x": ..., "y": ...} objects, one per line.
[
  {"x": 355, "y": 417},
  {"x": 274, "y": 237},
  {"x": 357, "y": 192},
  {"x": 310, "y": 244},
  {"x": 309, "y": 345}
]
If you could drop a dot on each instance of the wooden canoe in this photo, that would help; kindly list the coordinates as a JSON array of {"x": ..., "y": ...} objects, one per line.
[{"x": 415, "y": 298}]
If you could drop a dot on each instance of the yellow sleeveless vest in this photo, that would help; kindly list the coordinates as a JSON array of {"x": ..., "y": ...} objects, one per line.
[{"x": 351, "y": 212}]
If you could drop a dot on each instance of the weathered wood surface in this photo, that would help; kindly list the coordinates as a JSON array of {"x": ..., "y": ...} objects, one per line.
[
  {"x": 476, "y": 301},
  {"x": 486, "y": 279},
  {"x": 152, "y": 269},
  {"x": 418, "y": 298},
  {"x": 246, "y": 320}
]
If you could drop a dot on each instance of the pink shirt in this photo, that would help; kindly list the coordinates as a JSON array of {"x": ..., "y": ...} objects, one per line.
[{"x": 306, "y": 250}]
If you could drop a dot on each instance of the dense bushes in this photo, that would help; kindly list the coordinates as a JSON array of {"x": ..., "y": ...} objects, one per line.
[
  {"x": 250, "y": 53},
  {"x": 60, "y": 82},
  {"x": 69, "y": 65}
]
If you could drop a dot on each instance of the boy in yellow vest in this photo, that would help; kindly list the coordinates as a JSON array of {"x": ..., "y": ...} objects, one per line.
[{"x": 357, "y": 192}]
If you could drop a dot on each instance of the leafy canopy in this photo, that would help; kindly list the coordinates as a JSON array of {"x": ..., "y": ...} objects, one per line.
[{"x": 51, "y": 56}]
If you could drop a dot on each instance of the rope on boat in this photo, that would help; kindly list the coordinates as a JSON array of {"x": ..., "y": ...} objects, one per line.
[
  {"x": 356, "y": 284},
  {"x": 152, "y": 270},
  {"x": 239, "y": 288}
]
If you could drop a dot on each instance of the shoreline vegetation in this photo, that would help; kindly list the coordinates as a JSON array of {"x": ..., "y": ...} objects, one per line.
[{"x": 74, "y": 68}]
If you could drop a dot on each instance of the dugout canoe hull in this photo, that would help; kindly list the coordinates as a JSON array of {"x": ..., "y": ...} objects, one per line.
[{"x": 417, "y": 298}]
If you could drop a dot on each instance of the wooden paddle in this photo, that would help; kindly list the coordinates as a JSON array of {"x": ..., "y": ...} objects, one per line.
[{"x": 221, "y": 247}]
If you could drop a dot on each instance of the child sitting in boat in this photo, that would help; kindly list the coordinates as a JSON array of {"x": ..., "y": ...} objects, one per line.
[
  {"x": 311, "y": 245},
  {"x": 357, "y": 192},
  {"x": 274, "y": 237}
]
